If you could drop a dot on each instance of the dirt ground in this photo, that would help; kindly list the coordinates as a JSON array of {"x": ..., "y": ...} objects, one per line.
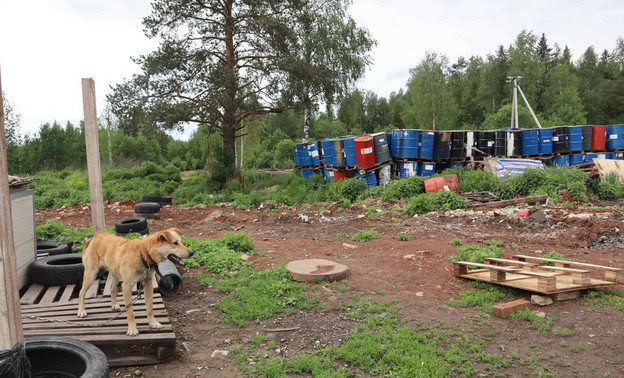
[{"x": 423, "y": 285}]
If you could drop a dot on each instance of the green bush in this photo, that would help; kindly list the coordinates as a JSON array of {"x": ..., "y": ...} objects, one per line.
[
  {"x": 610, "y": 188},
  {"x": 365, "y": 235},
  {"x": 578, "y": 191},
  {"x": 349, "y": 190},
  {"x": 404, "y": 188},
  {"x": 476, "y": 253},
  {"x": 428, "y": 202}
]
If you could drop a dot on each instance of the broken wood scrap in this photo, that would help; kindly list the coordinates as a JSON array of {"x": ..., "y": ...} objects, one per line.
[{"x": 512, "y": 202}]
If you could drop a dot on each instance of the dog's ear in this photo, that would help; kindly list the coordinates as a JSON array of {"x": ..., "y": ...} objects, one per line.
[
  {"x": 165, "y": 236},
  {"x": 177, "y": 231}
]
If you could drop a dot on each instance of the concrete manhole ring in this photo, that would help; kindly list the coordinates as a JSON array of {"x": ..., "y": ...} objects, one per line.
[{"x": 317, "y": 270}]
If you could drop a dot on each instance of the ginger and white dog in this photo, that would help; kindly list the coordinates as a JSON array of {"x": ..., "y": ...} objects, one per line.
[{"x": 130, "y": 261}]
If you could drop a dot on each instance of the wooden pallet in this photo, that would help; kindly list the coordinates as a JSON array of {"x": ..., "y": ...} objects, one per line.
[
  {"x": 479, "y": 197},
  {"x": 564, "y": 280},
  {"x": 151, "y": 346}
]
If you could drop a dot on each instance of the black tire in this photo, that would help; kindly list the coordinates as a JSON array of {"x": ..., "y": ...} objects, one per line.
[
  {"x": 163, "y": 200},
  {"x": 59, "y": 270},
  {"x": 142, "y": 232},
  {"x": 52, "y": 248},
  {"x": 130, "y": 225},
  {"x": 147, "y": 207},
  {"x": 54, "y": 356},
  {"x": 148, "y": 215}
]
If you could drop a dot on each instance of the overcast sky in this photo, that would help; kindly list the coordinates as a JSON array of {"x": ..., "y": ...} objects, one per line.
[{"x": 47, "y": 46}]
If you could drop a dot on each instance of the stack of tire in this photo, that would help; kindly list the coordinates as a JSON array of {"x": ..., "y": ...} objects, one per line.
[
  {"x": 60, "y": 267},
  {"x": 161, "y": 200},
  {"x": 134, "y": 224},
  {"x": 149, "y": 210}
]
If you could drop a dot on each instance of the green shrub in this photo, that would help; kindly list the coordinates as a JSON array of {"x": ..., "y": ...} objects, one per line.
[
  {"x": 404, "y": 188},
  {"x": 365, "y": 235},
  {"x": 402, "y": 236},
  {"x": 428, "y": 202},
  {"x": 347, "y": 190},
  {"x": 476, "y": 253},
  {"x": 456, "y": 241},
  {"x": 578, "y": 191},
  {"x": 528, "y": 182}
]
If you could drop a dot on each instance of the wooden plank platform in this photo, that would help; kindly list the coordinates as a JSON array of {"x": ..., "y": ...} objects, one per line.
[
  {"x": 151, "y": 346},
  {"x": 543, "y": 279}
]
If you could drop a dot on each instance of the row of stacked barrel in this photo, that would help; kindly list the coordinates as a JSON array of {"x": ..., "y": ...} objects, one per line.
[{"x": 423, "y": 152}]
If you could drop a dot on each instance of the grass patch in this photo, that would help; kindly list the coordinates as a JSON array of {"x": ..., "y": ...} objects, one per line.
[
  {"x": 541, "y": 325},
  {"x": 483, "y": 297},
  {"x": 612, "y": 298},
  {"x": 565, "y": 332},
  {"x": 456, "y": 242},
  {"x": 402, "y": 236},
  {"x": 476, "y": 253},
  {"x": 365, "y": 235}
]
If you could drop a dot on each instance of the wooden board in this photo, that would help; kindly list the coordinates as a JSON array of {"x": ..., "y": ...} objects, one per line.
[{"x": 151, "y": 346}]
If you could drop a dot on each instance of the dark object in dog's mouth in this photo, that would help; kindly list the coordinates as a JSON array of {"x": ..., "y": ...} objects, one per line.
[{"x": 175, "y": 259}]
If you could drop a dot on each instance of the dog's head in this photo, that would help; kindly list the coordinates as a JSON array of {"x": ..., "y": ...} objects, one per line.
[{"x": 168, "y": 246}]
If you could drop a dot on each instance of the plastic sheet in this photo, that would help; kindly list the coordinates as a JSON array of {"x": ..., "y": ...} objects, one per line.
[{"x": 14, "y": 363}]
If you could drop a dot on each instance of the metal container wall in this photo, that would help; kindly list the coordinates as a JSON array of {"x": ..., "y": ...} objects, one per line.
[
  {"x": 471, "y": 141},
  {"x": 562, "y": 161},
  {"x": 575, "y": 138},
  {"x": 389, "y": 141},
  {"x": 577, "y": 159},
  {"x": 296, "y": 154},
  {"x": 513, "y": 142},
  {"x": 615, "y": 137},
  {"x": 397, "y": 141},
  {"x": 486, "y": 142},
  {"x": 365, "y": 151},
  {"x": 560, "y": 139},
  {"x": 545, "y": 141},
  {"x": 618, "y": 155},
  {"x": 425, "y": 146},
  {"x": 329, "y": 175},
  {"x": 599, "y": 135},
  {"x": 382, "y": 152},
  {"x": 408, "y": 169},
  {"x": 328, "y": 147},
  {"x": 530, "y": 142},
  {"x": 458, "y": 144},
  {"x": 426, "y": 169},
  {"x": 410, "y": 140},
  {"x": 340, "y": 175},
  {"x": 338, "y": 153},
  {"x": 442, "y": 145},
  {"x": 349, "y": 147},
  {"x": 369, "y": 178},
  {"x": 500, "y": 140},
  {"x": 313, "y": 150},
  {"x": 587, "y": 137},
  {"x": 307, "y": 172}
]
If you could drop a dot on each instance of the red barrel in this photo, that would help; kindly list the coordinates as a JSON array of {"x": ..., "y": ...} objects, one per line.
[
  {"x": 364, "y": 151},
  {"x": 340, "y": 175},
  {"x": 598, "y": 137},
  {"x": 440, "y": 183}
]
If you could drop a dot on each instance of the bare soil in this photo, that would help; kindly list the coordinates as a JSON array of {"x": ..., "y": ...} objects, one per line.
[{"x": 422, "y": 285}]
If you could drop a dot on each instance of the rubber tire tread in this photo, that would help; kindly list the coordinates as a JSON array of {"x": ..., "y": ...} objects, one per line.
[
  {"x": 163, "y": 200},
  {"x": 133, "y": 224},
  {"x": 44, "y": 273},
  {"x": 52, "y": 248},
  {"x": 147, "y": 207},
  {"x": 142, "y": 232},
  {"x": 96, "y": 363}
]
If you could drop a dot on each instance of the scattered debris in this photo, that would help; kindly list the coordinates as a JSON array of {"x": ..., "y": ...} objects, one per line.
[
  {"x": 349, "y": 246},
  {"x": 283, "y": 329},
  {"x": 220, "y": 353},
  {"x": 214, "y": 215},
  {"x": 304, "y": 218},
  {"x": 192, "y": 311},
  {"x": 502, "y": 310},
  {"x": 538, "y": 216},
  {"x": 410, "y": 257},
  {"x": 540, "y": 314},
  {"x": 245, "y": 257},
  {"x": 541, "y": 300}
]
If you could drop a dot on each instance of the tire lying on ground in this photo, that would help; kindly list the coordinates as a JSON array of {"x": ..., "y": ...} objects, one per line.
[
  {"x": 59, "y": 270},
  {"x": 147, "y": 207},
  {"x": 54, "y": 356},
  {"x": 142, "y": 232},
  {"x": 163, "y": 200},
  {"x": 52, "y": 248},
  {"x": 134, "y": 224}
]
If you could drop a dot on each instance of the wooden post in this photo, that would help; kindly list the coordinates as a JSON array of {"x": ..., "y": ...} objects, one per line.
[
  {"x": 11, "y": 331},
  {"x": 93, "y": 155}
]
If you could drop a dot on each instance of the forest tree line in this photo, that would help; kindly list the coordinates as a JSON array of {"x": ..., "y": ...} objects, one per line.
[{"x": 471, "y": 93}]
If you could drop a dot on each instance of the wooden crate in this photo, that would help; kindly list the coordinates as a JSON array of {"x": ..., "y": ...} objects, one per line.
[
  {"x": 61, "y": 303},
  {"x": 525, "y": 273}
]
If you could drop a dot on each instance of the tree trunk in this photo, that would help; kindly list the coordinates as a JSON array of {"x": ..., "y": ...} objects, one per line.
[
  {"x": 306, "y": 124},
  {"x": 229, "y": 104},
  {"x": 208, "y": 150}
]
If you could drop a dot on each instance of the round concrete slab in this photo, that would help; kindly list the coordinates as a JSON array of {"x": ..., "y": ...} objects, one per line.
[{"x": 316, "y": 270}]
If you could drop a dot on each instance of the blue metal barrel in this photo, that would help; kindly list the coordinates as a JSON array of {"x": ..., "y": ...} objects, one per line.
[
  {"x": 369, "y": 178},
  {"x": 577, "y": 159},
  {"x": 604, "y": 155},
  {"x": 305, "y": 155},
  {"x": 615, "y": 137},
  {"x": 426, "y": 169},
  {"x": 328, "y": 147},
  {"x": 307, "y": 172},
  {"x": 313, "y": 151},
  {"x": 389, "y": 141},
  {"x": 338, "y": 153},
  {"x": 530, "y": 142},
  {"x": 575, "y": 138},
  {"x": 545, "y": 141},
  {"x": 562, "y": 161},
  {"x": 296, "y": 154},
  {"x": 395, "y": 144},
  {"x": 425, "y": 146},
  {"x": 618, "y": 155},
  {"x": 349, "y": 148},
  {"x": 410, "y": 141},
  {"x": 408, "y": 169}
]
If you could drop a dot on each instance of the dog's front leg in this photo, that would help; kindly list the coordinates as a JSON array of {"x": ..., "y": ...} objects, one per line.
[
  {"x": 127, "y": 295},
  {"x": 115, "y": 283},
  {"x": 149, "y": 301}
]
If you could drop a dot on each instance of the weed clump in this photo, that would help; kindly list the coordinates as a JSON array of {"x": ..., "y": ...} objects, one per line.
[
  {"x": 428, "y": 202},
  {"x": 365, "y": 235}
]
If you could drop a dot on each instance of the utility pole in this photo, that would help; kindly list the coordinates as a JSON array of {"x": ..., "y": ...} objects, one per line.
[{"x": 514, "y": 106}]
